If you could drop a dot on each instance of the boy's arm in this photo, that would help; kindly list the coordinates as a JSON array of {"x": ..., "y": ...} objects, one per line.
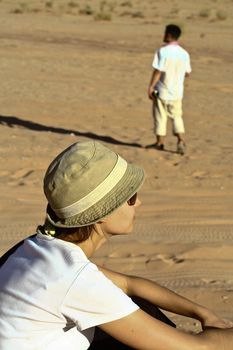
[{"x": 156, "y": 74}]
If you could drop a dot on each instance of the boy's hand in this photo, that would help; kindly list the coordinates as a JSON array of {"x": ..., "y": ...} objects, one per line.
[{"x": 151, "y": 93}]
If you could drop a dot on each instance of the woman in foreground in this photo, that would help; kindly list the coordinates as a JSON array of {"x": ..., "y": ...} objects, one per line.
[{"x": 52, "y": 296}]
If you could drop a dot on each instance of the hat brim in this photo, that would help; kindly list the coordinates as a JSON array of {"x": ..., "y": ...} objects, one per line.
[{"x": 127, "y": 186}]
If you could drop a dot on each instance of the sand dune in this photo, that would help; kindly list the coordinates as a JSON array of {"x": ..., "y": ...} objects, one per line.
[{"x": 66, "y": 77}]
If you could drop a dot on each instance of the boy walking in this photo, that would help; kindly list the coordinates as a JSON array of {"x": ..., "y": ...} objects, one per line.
[{"x": 171, "y": 65}]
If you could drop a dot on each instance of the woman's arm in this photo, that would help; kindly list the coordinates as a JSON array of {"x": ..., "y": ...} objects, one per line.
[
  {"x": 141, "y": 331},
  {"x": 165, "y": 299},
  {"x": 173, "y": 302}
]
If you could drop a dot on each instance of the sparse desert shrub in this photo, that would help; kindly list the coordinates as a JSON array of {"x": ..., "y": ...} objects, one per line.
[
  {"x": 221, "y": 15},
  {"x": 127, "y": 4},
  {"x": 49, "y": 4},
  {"x": 22, "y": 8},
  {"x": 87, "y": 10},
  {"x": 103, "y": 16},
  {"x": 204, "y": 13},
  {"x": 72, "y": 4},
  {"x": 138, "y": 14},
  {"x": 17, "y": 10}
]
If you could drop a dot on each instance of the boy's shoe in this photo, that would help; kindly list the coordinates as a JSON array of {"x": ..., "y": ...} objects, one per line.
[
  {"x": 159, "y": 147},
  {"x": 181, "y": 148}
]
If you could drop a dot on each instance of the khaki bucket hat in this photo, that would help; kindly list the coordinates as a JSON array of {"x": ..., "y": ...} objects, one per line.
[{"x": 87, "y": 182}]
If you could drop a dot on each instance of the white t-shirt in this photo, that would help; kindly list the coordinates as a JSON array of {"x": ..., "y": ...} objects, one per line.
[
  {"x": 173, "y": 61},
  {"x": 52, "y": 296}
]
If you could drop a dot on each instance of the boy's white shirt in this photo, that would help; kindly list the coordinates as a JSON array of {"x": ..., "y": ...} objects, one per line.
[{"x": 174, "y": 62}]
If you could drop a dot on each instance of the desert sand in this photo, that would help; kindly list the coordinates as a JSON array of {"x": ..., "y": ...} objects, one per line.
[{"x": 75, "y": 70}]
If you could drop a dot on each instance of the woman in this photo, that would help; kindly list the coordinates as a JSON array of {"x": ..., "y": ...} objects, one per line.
[{"x": 52, "y": 296}]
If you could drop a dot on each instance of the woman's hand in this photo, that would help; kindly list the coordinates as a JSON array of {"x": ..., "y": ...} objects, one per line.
[{"x": 210, "y": 320}]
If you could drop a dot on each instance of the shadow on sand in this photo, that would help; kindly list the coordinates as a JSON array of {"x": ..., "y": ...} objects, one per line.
[{"x": 12, "y": 121}]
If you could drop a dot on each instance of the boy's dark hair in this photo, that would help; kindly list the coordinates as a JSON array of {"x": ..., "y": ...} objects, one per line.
[{"x": 173, "y": 30}]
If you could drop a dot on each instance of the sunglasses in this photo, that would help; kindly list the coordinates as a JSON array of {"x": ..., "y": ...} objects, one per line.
[{"x": 132, "y": 200}]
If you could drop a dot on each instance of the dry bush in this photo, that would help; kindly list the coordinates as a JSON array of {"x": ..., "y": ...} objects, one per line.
[
  {"x": 49, "y": 4},
  {"x": 204, "y": 13},
  {"x": 127, "y": 4},
  {"x": 21, "y": 8},
  {"x": 221, "y": 15},
  {"x": 72, "y": 4},
  {"x": 87, "y": 10},
  {"x": 138, "y": 14},
  {"x": 104, "y": 11},
  {"x": 103, "y": 16}
]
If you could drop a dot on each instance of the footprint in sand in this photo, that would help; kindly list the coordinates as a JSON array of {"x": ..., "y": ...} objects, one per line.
[
  {"x": 21, "y": 174},
  {"x": 21, "y": 177},
  {"x": 198, "y": 174},
  {"x": 4, "y": 173},
  {"x": 168, "y": 259}
]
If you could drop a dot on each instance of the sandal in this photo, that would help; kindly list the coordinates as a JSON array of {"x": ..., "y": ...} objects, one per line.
[
  {"x": 181, "y": 148},
  {"x": 159, "y": 147}
]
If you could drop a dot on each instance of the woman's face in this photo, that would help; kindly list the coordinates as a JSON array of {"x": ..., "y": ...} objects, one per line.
[{"x": 121, "y": 220}]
